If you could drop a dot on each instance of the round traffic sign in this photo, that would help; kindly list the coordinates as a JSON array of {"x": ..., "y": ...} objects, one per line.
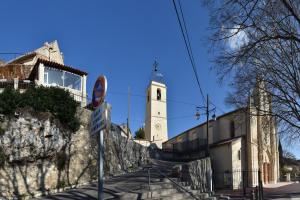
[{"x": 99, "y": 91}]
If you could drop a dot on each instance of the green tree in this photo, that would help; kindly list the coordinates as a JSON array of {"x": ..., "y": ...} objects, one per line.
[{"x": 140, "y": 134}]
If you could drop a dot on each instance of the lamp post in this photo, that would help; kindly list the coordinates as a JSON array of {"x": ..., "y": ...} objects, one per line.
[
  {"x": 207, "y": 121},
  {"x": 207, "y": 110}
]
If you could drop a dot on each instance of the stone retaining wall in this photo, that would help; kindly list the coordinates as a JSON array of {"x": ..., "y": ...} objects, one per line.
[
  {"x": 42, "y": 156},
  {"x": 198, "y": 174}
]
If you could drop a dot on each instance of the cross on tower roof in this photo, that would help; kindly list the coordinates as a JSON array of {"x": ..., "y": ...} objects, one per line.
[
  {"x": 156, "y": 75},
  {"x": 155, "y": 65}
]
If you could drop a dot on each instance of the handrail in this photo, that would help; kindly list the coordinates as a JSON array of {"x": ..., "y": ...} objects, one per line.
[
  {"x": 149, "y": 178},
  {"x": 177, "y": 184}
]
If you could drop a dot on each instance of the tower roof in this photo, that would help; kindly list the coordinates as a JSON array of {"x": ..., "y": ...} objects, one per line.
[{"x": 156, "y": 75}]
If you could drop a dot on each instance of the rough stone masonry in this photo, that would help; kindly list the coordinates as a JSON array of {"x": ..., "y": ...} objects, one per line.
[{"x": 42, "y": 156}]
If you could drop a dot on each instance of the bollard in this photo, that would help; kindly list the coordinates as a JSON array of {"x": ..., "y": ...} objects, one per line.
[
  {"x": 149, "y": 179},
  {"x": 256, "y": 193},
  {"x": 252, "y": 194}
]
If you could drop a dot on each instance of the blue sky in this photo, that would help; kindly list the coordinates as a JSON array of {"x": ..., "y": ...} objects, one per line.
[{"x": 121, "y": 39}]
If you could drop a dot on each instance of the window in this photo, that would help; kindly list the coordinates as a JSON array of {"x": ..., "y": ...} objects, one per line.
[
  {"x": 55, "y": 77},
  {"x": 232, "y": 129},
  {"x": 239, "y": 154},
  {"x": 158, "y": 94}
]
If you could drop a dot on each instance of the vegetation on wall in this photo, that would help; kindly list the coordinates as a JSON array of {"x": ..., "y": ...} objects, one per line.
[{"x": 57, "y": 101}]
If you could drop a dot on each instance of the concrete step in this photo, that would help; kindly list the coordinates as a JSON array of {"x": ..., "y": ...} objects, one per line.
[
  {"x": 127, "y": 196},
  {"x": 158, "y": 193},
  {"x": 175, "y": 196},
  {"x": 166, "y": 180},
  {"x": 160, "y": 185},
  {"x": 211, "y": 198},
  {"x": 221, "y": 197}
]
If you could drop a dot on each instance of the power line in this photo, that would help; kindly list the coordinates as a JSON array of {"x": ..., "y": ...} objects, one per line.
[
  {"x": 189, "y": 47},
  {"x": 223, "y": 112},
  {"x": 144, "y": 96},
  {"x": 188, "y": 44}
]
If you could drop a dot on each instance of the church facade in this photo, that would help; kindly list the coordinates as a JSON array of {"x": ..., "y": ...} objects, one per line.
[{"x": 241, "y": 143}]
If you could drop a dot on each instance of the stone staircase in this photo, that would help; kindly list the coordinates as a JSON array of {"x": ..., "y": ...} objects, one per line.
[
  {"x": 164, "y": 184},
  {"x": 166, "y": 189}
]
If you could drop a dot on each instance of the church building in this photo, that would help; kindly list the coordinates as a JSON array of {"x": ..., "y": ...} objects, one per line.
[
  {"x": 156, "y": 129},
  {"x": 241, "y": 144}
]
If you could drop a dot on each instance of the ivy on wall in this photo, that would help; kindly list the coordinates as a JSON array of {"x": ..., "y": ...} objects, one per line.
[{"x": 55, "y": 100}]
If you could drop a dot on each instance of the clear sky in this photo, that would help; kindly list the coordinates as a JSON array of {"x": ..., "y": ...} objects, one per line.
[{"x": 121, "y": 39}]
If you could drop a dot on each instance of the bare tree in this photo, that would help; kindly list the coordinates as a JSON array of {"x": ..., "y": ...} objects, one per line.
[{"x": 260, "y": 39}]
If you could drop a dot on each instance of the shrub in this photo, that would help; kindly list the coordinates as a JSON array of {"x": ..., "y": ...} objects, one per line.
[
  {"x": 42, "y": 99},
  {"x": 9, "y": 101}
]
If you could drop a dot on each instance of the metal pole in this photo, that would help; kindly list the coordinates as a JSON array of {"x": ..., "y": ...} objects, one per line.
[
  {"x": 128, "y": 114},
  {"x": 100, "y": 166},
  {"x": 207, "y": 118},
  {"x": 244, "y": 182},
  {"x": 260, "y": 186},
  {"x": 149, "y": 178}
]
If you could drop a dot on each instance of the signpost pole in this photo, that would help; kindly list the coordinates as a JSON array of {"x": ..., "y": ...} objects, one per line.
[
  {"x": 100, "y": 166},
  {"x": 99, "y": 123}
]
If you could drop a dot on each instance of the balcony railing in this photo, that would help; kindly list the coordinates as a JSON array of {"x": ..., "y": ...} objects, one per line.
[{"x": 22, "y": 85}]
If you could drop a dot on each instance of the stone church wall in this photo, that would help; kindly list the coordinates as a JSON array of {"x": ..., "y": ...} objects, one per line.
[{"x": 41, "y": 156}]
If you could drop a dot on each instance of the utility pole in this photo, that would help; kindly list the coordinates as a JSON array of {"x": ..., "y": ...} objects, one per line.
[
  {"x": 207, "y": 128},
  {"x": 128, "y": 112}
]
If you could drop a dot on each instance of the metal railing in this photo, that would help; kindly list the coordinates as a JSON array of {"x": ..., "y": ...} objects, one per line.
[
  {"x": 178, "y": 185},
  {"x": 170, "y": 179},
  {"x": 240, "y": 180}
]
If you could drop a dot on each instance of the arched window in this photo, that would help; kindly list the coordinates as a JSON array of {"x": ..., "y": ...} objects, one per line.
[{"x": 158, "y": 94}]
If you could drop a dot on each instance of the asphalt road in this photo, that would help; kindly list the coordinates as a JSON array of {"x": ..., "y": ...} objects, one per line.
[{"x": 112, "y": 187}]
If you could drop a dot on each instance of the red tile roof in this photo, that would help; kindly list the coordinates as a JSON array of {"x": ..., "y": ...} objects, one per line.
[{"x": 60, "y": 66}]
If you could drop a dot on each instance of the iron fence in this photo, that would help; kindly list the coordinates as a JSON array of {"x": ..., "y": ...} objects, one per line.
[{"x": 244, "y": 181}]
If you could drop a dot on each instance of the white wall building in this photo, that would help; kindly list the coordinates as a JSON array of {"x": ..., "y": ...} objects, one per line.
[
  {"x": 45, "y": 66},
  {"x": 156, "y": 128}
]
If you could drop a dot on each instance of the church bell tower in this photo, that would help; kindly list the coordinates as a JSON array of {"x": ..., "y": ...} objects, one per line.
[{"x": 156, "y": 129}]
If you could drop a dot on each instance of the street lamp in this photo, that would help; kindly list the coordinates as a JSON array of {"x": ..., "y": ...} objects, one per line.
[{"x": 207, "y": 121}]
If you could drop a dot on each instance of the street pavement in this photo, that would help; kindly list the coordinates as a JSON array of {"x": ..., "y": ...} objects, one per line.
[
  {"x": 134, "y": 181},
  {"x": 278, "y": 191},
  {"x": 127, "y": 183},
  {"x": 283, "y": 191}
]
